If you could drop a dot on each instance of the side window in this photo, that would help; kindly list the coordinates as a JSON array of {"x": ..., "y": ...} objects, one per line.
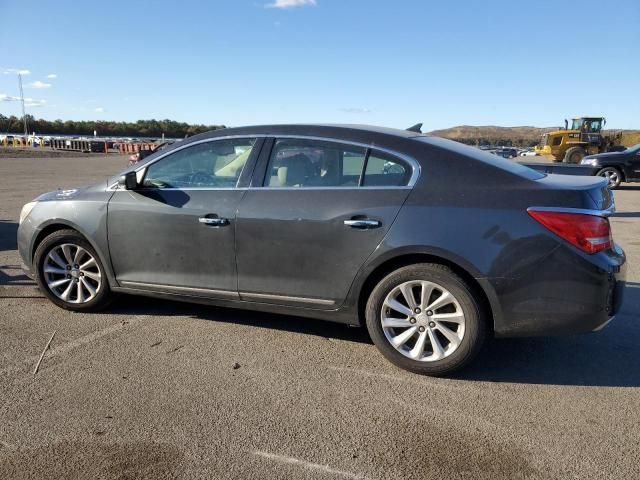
[
  {"x": 314, "y": 163},
  {"x": 386, "y": 171},
  {"x": 214, "y": 164}
]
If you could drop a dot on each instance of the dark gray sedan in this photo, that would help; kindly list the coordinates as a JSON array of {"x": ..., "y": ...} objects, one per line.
[{"x": 433, "y": 245}]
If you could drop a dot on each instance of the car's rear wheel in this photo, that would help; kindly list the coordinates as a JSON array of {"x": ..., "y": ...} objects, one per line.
[
  {"x": 70, "y": 273},
  {"x": 426, "y": 319},
  {"x": 612, "y": 175}
]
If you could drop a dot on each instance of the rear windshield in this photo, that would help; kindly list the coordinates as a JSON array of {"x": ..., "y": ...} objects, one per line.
[{"x": 482, "y": 156}]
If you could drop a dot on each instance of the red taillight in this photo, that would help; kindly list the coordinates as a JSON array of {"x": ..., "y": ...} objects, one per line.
[{"x": 589, "y": 233}]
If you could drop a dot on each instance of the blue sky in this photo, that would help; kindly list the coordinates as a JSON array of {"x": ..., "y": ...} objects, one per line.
[{"x": 393, "y": 63}]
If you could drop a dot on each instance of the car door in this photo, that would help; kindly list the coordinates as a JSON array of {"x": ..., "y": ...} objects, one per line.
[
  {"x": 176, "y": 232},
  {"x": 317, "y": 212},
  {"x": 633, "y": 164}
]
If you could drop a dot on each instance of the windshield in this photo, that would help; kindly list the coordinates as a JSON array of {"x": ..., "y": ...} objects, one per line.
[{"x": 587, "y": 125}]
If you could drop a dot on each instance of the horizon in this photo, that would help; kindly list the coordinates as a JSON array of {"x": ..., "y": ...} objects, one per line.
[{"x": 323, "y": 61}]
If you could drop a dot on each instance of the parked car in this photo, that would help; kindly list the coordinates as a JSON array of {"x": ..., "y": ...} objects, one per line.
[
  {"x": 506, "y": 152},
  {"x": 433, "y": 245},
  {"x": 528, "y": 153},
  {"x": 616, "y": 167}
]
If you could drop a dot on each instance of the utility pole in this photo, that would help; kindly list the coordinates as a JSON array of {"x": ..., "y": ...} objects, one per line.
[{"x": 24, "y": 115}]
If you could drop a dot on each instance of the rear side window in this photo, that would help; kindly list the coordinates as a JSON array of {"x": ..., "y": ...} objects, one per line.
[
  {"x": 385, "y": 171},
  {"x": 314, "y": 163}
]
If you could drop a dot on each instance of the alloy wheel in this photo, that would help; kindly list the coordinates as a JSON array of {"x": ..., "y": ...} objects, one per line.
[
  {"x": 612, "y": 177},
  {"x": 72, "y": 273},
  {"x": 423, "y": 321}
]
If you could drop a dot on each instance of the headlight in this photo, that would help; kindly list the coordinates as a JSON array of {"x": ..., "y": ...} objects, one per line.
[
  {"x": 589, "y": 161},
  {"x": 26, "y": 210}
]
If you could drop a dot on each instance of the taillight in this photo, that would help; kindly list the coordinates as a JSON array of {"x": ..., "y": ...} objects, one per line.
[{"x": 589, "y": 233}]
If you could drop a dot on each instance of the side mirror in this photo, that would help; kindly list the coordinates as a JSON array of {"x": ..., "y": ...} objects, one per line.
[{"x": 128, "y": 181}]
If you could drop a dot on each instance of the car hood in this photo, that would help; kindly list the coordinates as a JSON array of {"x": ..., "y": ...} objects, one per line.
[
  {"x": 603, "y": 155},
  {"x": 73, "y": 193}
]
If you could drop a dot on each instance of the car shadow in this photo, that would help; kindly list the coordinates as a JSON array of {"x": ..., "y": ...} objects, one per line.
[
  {"x": 609, "y": 358},
  {"x": 8, "y": 235},
  {"x": 628, "y": 187},
  {"x": 128, "y": 305}
]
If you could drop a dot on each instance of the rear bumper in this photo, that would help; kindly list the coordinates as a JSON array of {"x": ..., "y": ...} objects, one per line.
[{"x": 568, "y": 294}]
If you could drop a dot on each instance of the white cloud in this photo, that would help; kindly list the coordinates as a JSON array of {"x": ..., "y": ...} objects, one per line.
[
  {"x": 52, "y": 75},
  {"x": 16, "y": 71},
  {"x": 291, "y": 3},
  {"x": 38, "y": 84},
  {"x": 356, "y": 110},
  {"x": 28, "y": 101},
  {"x": 99, "y": 109},
  {"x": 34, "y": 103}
]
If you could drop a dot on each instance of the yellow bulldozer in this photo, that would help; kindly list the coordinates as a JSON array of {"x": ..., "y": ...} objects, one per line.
[{"x": 585, "y": 137}]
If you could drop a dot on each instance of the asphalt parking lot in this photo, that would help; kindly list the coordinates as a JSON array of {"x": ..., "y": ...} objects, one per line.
[{"x": 171, "y": 390}]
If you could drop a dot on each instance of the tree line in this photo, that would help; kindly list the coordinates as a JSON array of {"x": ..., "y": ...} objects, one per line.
[{"x": 140, "y": 128}]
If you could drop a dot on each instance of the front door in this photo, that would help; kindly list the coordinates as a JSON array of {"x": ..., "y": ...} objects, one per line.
[
  {"x": 176, "y": 232},
  {"x": 323, "y": 207}
]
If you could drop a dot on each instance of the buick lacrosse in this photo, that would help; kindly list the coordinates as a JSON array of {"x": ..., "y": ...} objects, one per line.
[{"x": 431, "y": 244}]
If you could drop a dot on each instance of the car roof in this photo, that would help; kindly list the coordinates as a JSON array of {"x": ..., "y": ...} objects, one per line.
[{"x": 323, "y": 130}]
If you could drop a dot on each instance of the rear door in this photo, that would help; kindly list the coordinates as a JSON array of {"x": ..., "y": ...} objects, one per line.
[{"x": 315, "y": 212}]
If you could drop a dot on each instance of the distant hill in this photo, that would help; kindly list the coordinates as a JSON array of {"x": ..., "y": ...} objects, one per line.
[
  {"x": 517, "y": 136},
  {"x": 493, "y": 135}
]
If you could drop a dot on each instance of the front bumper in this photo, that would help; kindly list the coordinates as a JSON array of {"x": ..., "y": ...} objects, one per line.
[{"x": 27, "y": 271}]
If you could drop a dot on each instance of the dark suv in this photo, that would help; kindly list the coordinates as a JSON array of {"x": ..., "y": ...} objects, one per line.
[{"x": 432, "y": 244}]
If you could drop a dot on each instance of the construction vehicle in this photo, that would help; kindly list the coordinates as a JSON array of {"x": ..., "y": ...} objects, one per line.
[{"x": 571, "y": 145}]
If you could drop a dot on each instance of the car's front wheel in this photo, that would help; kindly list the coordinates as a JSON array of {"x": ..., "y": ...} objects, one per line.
[
  {"x": 426, "y": 319},
  {"x": 612, "y": 175},
  {"x": 70, "y": 273}
]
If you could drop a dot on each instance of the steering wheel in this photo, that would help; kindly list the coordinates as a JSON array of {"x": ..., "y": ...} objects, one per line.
[{"x": 201, "y": 178}]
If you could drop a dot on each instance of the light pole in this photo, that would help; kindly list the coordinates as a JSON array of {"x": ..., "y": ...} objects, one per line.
[{"x": 24, "y": 115}]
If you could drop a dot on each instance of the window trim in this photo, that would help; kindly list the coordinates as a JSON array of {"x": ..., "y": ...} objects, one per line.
[
  {"x": 259, "y": 184},
  {"x": 247, "y": 169},
  {"x": 261, "y": 156}
]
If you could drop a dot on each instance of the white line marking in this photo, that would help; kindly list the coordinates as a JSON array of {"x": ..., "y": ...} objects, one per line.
[
  {"x": 309, "y": 465},
  {"x": 78, "y": 342}
]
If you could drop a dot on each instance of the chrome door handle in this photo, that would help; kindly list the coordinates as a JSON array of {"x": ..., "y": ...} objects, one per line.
[
  {"x": 215, "y": 222},
  {"x": 362, "y": 224}
]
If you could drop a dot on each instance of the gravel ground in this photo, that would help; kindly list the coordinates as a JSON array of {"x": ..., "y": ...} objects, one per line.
[{"x": 170, "y": 390}]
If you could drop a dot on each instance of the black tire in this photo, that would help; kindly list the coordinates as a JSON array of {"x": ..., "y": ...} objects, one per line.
[
  {"x": 613, "y": 176},
  {"x": 103, "y": 295},
  {"x": 574, "y": 155},
  {"x": 475, "y": 329}
]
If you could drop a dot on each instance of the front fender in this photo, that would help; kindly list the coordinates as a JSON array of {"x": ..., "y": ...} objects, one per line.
[{"x": 88, "y": 218}]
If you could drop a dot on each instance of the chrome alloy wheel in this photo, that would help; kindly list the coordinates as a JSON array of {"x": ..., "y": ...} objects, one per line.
[
  {"x": 423, "y": 321},
  {"x": 613, "y": 177},
  {"x": 72, "y": 274}
]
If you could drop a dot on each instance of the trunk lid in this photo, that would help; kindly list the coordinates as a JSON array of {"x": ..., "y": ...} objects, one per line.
[{"x": 593, "y": 191}]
